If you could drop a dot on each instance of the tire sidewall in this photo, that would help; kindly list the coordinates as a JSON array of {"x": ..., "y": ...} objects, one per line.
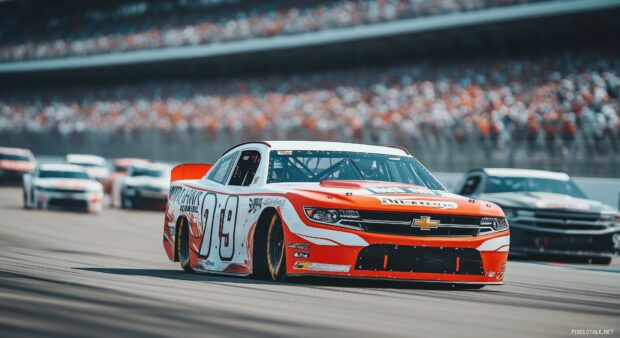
[{"x": 276, "y": 272}]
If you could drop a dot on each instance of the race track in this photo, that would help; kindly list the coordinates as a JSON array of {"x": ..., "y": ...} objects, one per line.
[{"x": 69, "y": 274}]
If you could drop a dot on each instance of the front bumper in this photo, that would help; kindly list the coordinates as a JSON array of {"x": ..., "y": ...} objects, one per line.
[
  {"x": 79, "y": 201},
  {"x": 530, "y": 241},
  {"x": 475, "y": 260},
  {"x": 147, "y": 199}
]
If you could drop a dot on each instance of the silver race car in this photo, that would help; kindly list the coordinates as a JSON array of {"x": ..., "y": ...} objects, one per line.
[{"x": 549, "y": 215}]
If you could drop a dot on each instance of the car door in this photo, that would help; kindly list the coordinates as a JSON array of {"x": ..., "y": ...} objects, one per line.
[{"x": 233, "y": 225}]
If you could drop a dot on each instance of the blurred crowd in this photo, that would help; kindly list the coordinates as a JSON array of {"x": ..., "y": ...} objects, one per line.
[
  {"x": 134, "y": 26},
  {"x": 537, "y": 99}
]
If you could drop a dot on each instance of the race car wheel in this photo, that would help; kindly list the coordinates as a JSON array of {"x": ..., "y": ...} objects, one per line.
[
  {"x": 26, "y": 206},
  {"x": 600, "y": 260},
  {"x": 276, "y": 260},
  {"x": 183, "y": 246},
  {"x": 126, "y": 202}
]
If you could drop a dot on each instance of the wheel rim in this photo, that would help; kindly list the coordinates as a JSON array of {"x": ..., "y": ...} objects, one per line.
[
  {"x": 183, "y": 245},
  {"x": 276, "y": 246}
]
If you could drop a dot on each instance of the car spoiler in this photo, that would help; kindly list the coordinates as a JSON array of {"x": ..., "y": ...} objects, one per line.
[{"x": 189, "y": 171}]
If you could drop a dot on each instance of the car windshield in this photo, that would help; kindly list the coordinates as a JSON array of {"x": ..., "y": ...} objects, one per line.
[
  {"x": 147, "y": 172},
  {"x": 315, "y": 166},
  {"x": 532, "y": 184},
  {"x": 14, "y": 157},
  {"x": 63, "y": 174},
  {"x": 88, "y": 164}
]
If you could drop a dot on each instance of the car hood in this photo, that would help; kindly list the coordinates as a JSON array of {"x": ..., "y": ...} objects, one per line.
[
  {"x": 385, "y": 196},
  {"x": 64, "y": 183},
  {"x": 544, "y": 200}
]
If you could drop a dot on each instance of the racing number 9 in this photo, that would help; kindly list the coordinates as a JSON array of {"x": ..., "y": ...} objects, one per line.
[{"x": 228, "y": 222}]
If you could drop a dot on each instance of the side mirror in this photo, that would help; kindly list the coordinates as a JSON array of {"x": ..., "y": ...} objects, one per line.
[{"x": 189, "y": 171}]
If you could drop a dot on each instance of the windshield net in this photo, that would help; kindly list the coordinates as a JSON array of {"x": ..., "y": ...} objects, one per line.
[
  {"x": 315, "y": 166},
  {"x": 531, "y": 184}
]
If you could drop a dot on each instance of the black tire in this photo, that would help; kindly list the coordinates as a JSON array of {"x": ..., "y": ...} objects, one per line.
[
  {"x": 276, "y": 258},
  {"x": 125, "y": 202},
  {"x": 183, "y": 246},
  {"x": 25, "y": 199},
  {"x": 600, "y": 260}
]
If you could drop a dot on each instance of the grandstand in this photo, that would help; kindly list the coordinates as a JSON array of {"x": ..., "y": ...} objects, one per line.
[{"x": 496, "y": 82}]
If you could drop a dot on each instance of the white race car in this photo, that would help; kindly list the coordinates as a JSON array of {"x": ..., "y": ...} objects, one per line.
[
  {"x": 96, "y": 166},
  {"x": 146, "y": 186},
  {"x": 63, "y": 186}
]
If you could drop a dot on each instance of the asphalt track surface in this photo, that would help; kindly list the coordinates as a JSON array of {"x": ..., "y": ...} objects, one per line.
[{"x": 70, "y": 274}]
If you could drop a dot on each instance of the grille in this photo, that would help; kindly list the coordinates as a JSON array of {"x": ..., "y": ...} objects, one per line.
[
  {"x": 400, "y": 224},
  {"x": 563, "y": 220},
  {"x": 71, "y": 191},
  {"x": 380, "y": 257},
  {"x": 67, "y": 203}
]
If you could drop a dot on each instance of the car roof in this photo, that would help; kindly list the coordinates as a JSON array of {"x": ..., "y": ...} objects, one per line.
[
  {"x": 85, "y": 158},
  {"x": 61, "y": 167},
  {"x": 511, "y": 172},
  {"x": 331, "y": 146},
  {"x": 129, "y": 161},
  {"x": 16, "y": 151},
  {"x": 151, "y": 166}
]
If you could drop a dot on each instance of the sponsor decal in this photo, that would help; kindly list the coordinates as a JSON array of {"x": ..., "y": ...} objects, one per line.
[
  {"x": 425, "y": 223},
  {"x": 189, "y": 208},
  {"x": 299, "y": 246},
  {"x": 182, "y": 195},
  {"x": 562, "y": 205},
  {"x": 255, "y": 204},
  {"x": 206, "y": 263},
  {"x": 301, "y": 254},
  {"x": 258, "y": 203},
  {"x": 322, "y": 267},
  {"x": 417, "y": 203},
  {"x": 402, "y": 190}
]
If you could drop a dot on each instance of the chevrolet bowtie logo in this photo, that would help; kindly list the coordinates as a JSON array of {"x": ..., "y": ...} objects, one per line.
[{"x": 425, "y": 223}]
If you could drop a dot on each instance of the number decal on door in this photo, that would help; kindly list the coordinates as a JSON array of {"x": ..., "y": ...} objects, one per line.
[
  {"x": 228, "y": 223},
  {"x": 209, "y": 205}
]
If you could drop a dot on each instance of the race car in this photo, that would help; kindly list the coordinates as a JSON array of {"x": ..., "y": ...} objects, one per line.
[
  {"x": 14, "y": 163},
  {"x": 96, "y": 166},
  {"x": 120, "y": 169},
  {"x": 550, "y": 216},
  {"x": 62, "y": 186},
  {"x": 145, "y": 186},
  {"x": 281, "y": 209}
]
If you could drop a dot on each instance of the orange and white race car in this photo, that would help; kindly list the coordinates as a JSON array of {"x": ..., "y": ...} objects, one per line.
[{"x": 279, "y": 209}]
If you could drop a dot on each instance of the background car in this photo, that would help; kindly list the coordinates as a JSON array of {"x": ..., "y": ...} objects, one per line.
[
  {"x": 14, "y": 163},
  {"x": 96, "y": 166},
  {"x": 145, "y": 186},
  {"x": 549, "y": 214},
  {"x": 63, "y": 186},
  {"x": 120, "y": 169}
]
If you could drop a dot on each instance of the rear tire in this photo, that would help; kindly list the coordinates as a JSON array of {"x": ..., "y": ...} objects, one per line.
[
  {"x": 183, "y": 246},
  {"x": 276, "y": 258}
]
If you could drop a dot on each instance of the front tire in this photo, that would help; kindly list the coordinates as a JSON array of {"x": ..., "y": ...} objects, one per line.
[
  {"x": 276, "y": 258},
  {"x": 126, "y": 202},
  {"x": 183, "y": 246}
]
